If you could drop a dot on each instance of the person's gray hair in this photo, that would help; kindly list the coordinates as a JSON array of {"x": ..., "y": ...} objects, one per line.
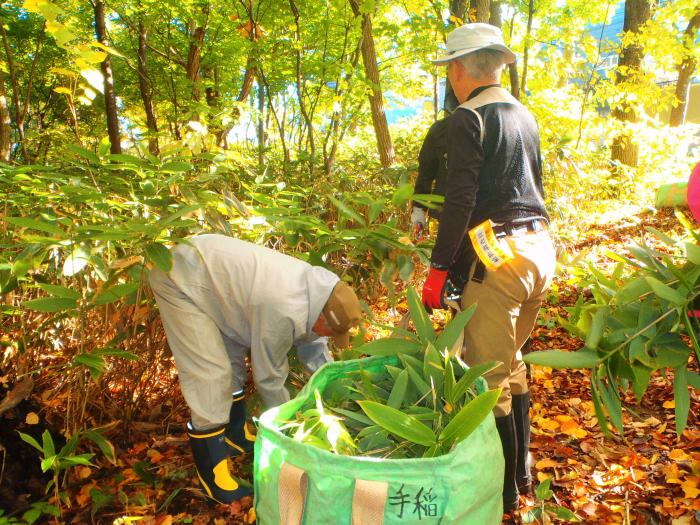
[{"x": 484, "y": 64}]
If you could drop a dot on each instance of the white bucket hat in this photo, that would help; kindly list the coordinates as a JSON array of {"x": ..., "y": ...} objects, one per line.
[{"x": 473, "y": 37}]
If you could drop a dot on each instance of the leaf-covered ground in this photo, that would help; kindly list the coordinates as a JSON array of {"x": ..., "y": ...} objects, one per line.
[{"x": 647, "y": 476}]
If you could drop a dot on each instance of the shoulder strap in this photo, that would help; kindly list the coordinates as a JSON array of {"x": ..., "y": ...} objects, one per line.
[{"x": 491, "y": 95}]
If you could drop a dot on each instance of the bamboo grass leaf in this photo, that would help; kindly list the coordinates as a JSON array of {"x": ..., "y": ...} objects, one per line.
[
  {"x": 390, "y": 346},
  {"x": 682, "y": 397},
  {"x": 398, "y": 392},
  {"x": 563, "y": 359},
  {"x": 399, "y": 424},
  {"x": 612, "y": 404},
  {"x": 665, "y": 292},
  {"x": 421, "y": 320},
  {"x": 355, "y": 416},
  {"x": 469, "y": 377},
  {"x": 60, "y": 291},
  {"x": 454, "y": 329},
  {"x": 50, "y": 304},
  {"x": 597, "y": 328},
  {"x": 433, "y": 370},
  {"x": 469, "y": 417}
]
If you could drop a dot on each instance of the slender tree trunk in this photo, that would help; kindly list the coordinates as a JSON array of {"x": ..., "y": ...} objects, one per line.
[
  {"x": 685, "y": 71},
  {"x": 146, "y": 91},
  {"x": 335, "y": 133},
  {"x": 194, "y": 55},
  {"x": 109, "y": 93},
  {"x": 279, "y": 123},
  {"x": 495, "y": 13},
  {"x": 637, "y": 12},
  {"x": 458, "y": 8},
  {"x": 526, "y": 50},
  {"x": 376, "y": 100},
  {"x": 5, "y": 128},
  {"x": 248, "y": 78},
  {"x": 300, "y": 89},
  {"x": 481, "y": 10},
  {"x": 513, "y": 66},
  {"x": 21, "y": 111},
  {"x": 261, "y": 122}
]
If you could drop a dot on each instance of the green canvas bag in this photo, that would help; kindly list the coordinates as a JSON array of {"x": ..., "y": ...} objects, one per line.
[{"x": 298, "y": 484}]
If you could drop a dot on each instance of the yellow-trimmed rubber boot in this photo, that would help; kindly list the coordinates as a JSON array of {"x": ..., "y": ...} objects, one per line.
[
  {"x": 238, "y": 434},
  {"x": 211, "y": 453}
]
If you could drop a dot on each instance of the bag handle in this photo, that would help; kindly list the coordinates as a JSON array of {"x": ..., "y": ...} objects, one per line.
[
  {"x": 368, "y": 499},
  {"x": 368, "y": 502},
  {"x": 291, "y": 494}
]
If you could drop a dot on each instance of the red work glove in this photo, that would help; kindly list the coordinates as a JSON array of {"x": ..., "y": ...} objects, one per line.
[{"x": 433, "y": 289}]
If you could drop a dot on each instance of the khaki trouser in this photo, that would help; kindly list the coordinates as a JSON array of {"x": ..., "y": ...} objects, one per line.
[{"x": 508, "y": 301}]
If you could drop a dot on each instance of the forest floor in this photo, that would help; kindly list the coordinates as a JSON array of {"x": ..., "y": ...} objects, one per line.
[{"x": 647, "y": 476}]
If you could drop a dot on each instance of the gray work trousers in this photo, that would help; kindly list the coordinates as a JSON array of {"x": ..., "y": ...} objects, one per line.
[{"x": 210, "y": 365}]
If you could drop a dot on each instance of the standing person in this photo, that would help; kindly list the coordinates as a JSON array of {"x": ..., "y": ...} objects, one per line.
[
  {"x": 224, "y": 298},
  {"x": 432, "y": 166},
  {"x": 494, "y": 192}
]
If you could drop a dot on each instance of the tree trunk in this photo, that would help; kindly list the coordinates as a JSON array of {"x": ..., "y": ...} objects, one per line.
[
  {"x": 528, "y": 34},
  {"x": 376, "y": 102},
  {"x": 495, "y": 13},
  {"x": 513, "y": 66},
  {"x": 261, "y": 123},
  {"x": 5, "y": 129},
  {"x": 147, "y": 92},
  {"x": 637, "y": 12},
  {"x": 279, "y": 123},
  {"x": 300, "y": 90},
  {"x": 109, "y": 93},
  {"x": 21, "y": 111},
  {"x": 194, "y": 55},
  {"x": 481, "y": 10},
  {"x": 248, "y": 78},
  {"x": 685, "y": 72},
  {"x": 335, "y": 132},
  {"x": 458, "y": 8}
]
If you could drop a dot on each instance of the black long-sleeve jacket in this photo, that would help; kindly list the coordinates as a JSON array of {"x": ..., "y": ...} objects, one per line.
[
  {"x": 494, "y": 169},
  {"x": 432, "y": 161}
]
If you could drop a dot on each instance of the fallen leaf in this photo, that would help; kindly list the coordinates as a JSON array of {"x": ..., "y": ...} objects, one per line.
[
  {"x": 679, "y": 455},
  {"x": 251, "y": 517},
  {"x": 670, "y": 404},
  {"x": 548, "y": 424},
  {"x": 683, "y": 520},
  {"x": 545, "y": 463},
  {"x": 154, "y": 455},
  {"x": 31, "y": 419},
  {"x": 690, "y": 488},
  {"x": 673, "y": 474}
]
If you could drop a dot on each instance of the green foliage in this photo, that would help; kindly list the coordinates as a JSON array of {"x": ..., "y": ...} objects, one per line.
[
  {"x": 545, "y": 510},
  {"x": 637, "y": 323},
  {"x": 419, "y": 409},
  {"x": 60, "y": 461}
]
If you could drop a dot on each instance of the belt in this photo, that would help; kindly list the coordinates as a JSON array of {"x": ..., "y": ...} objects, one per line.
[{"x": 506, "y": 229}]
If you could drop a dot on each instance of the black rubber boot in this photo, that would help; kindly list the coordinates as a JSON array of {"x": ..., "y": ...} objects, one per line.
[
  {"x": 506, "y": 431},
  {"x": 238, "y": 436},
  {"x": 521, "y": 415},
  {"x": 211, "y": 455}
]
